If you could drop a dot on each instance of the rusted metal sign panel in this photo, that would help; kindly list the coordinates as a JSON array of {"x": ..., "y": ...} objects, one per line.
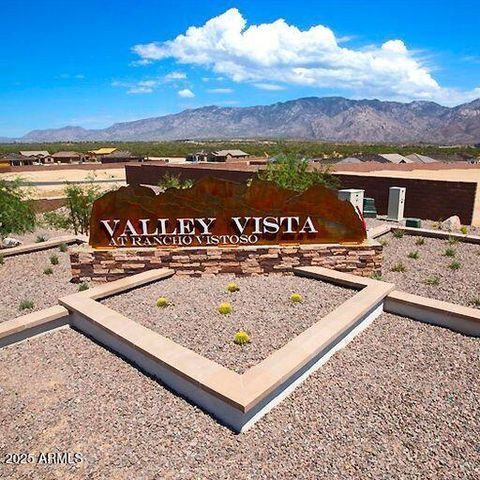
[{"x": 216, "y": 212}]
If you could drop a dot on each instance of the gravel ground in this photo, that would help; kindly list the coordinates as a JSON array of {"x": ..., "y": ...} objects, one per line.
[
  {"x": 262, "y": 308},
  {"x": 48, "y": 233},
  {"x": 399, "y": 402},
  {"x": 460, "y": 286},
  {"x": 22, "y": 278}
]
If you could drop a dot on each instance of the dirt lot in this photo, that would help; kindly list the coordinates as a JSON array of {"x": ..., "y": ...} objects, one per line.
[{"x": 399, "y": 402}]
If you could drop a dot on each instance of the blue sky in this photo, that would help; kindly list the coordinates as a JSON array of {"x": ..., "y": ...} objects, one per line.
[{"x": 93, "y": 63}]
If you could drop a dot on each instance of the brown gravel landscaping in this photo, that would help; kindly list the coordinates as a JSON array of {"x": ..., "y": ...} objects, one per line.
[
  {"x": 261, "y": 307},
  {"x": 401, "y": 401},
  {"x": 22, "y": 278},
  {"x": 421, "y": 275}
]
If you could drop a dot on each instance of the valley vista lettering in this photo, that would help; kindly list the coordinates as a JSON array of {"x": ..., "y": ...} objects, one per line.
[
  {"x": 186, "y": 231},
  {"x": 216, "y": 212}
]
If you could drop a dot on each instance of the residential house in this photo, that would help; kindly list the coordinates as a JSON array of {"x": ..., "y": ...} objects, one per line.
[{"x": 227, "y": 155}]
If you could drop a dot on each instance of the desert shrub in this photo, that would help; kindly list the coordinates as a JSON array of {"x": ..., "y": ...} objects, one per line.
[
  {"x": 225, "y": 308},
  {"x": 475, "y": 302},
  {"x": 464, "y": 229},
  {"x": 54, "y": 259},
  {"x": 162, "y": 302},
  {"x": 452, "y": 240},
  {"x": 399, "y": 267},
  {"x": 48, "y": 271},
  {"x": 40, "y": 238},
  {"x": 25, "y": 305},
  {"x": 63, "y": 247},
  {"x": 420, "y": 241},
  {"x": 383, "y": 242},
  {"x": 16, "y": 209},
  {"x": 432, "y": 280},
  {"x": 241, "y": 338},
  {"x": 376, "y": 276},
  {"x": 397, "y": 233},
  {"x": 455, "y": 265},
  {"x": 2, "y": 259},
  {"x": 173, "y": 181},
  {"x": 294, "y": 173},
  {"x": 450, "y": 252},
  {"x": 83, "y": 286},
  {"x": 415, "y": 255},
  {"x": 296, "y": 298},
  {"x": 232, "y": 287},
  {"x": 77, "y": 213}
]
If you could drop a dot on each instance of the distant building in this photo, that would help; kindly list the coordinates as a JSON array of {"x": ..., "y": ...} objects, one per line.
[
  {"x": 68, "y": 157},
  {"x": 227, "y": 155},
  {"x": 417, "y": 158},
  {"x": 349, "y": 160},
  {"x": 102, "y": 151},
  {"x": 120, "y": 156},
  {"x": 17, "y": 160},
  {"x": 197, "y": 157},
  {"x": 35, "y": 153},
  {"x": 395, "y": 158}
]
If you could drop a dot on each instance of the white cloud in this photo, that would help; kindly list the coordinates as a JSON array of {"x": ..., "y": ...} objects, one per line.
[
  {"x": 268, "y": 86},
  {"x": 148, "y": 86},
  {"x": 219, "y": 90},
  {"x": 282, "y": 53},
  {"x": 186, "y": 93}
]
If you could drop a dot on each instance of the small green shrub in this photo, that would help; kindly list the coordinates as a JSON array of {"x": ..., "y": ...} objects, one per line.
[
  {"x": 464, "y": 229},
  {"x": 63, "y": 247},
  {"x": 40, "y": 239},
  {"x": 455, "y": 265},
  {"x": 232, "y": 287},
  {"x": 225, "y": 308},
  {"x": 433, "y": 281},
  {"x": 162, "y": 302},
  {"x": 383, "y": 242},
  {"x": 399, "y": 267},
  {"x": 376, "y": 276},
  {"x": 414, "y": 255},
  {"x": 48, "y": 271},
  {"x": 83, "y": 286},
  {"x": 420, "y": 241},
  {"x": 475, "y": 301},
  {"x": 450, "y": 252},
  {"x": 437, "y": 225},
  {"x": 25, "y": 305},
  {"x": 296, "y": 298},
  {"x": 397, "y": 233},
  {"x": 241, "y": 338},
  {"x": 53, "y": 259},
  {"x": 452, "y": 240},
  {"x": 2, "y": 259}
]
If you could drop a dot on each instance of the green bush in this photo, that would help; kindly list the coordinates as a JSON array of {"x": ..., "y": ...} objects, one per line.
[
  {"x": 83, "y": 286},
  {"x": 40, "y": 238},
  {"x": 241, "y": 338},
  {"x": 399, "y": 267},
  {"x": 420, "y": 241},
  {"x": 63, "y": 247},
  {"x": 54, "y": 259},
  {"x": 433, "y": 280},
  {"x": 383, "y": 242},
  {"x": 162, "y": 302},
  {"x": 26, "y": 305},
  {"x": 397, "y": 233},
  {"x": 294, "y": 173},
  {"x": 225, "y": 308},
  {"x": 475, "y": 302},
  {"x": 452, "y": 240},
  {"x": 450, "y": 252},
  {"x": 2, "y": 259},
  {"x": 296, "y": 298},
  {"x": 232, "y": 287},
  {"x": 376, "y": 276},
  {"x": 16, "y": 209},
  {"x": 79, "y": 205},
  {"x": 173, "y": 181},
  {"x": 414, "y": 255},
  {"x": 464, "y": 229},
  {"x": 455, "y": 265},
  {"x": 47, "y": 271}
]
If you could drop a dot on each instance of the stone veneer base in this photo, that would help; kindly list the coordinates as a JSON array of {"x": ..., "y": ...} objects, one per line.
[{"x": 104, "y": 265}]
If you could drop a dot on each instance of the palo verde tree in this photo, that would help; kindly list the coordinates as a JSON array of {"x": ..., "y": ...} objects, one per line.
[
  {"x": 173, "y": 181},
  {"x": 295, "y": 173},
  {"x": 16, "y": 209},
  {"x": 79, "y": 202}
]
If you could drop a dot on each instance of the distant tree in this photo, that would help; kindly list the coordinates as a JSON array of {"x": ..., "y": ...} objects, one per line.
[
  {"x": 292, "y": 172},
  {"x": 76, "y": 215},
  {"x": 16, "y": 209},
  {"x": 173, "y": 181}
]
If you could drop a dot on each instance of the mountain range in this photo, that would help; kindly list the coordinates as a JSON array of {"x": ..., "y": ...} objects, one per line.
[{"x": 333, "y": 119}]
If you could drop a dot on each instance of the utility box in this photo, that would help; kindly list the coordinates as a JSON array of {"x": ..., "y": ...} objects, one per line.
[
  {"x": 396, "y": 203},
  {"x": 369, "y": 209},
  {"x": 354, "y": 196}
]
